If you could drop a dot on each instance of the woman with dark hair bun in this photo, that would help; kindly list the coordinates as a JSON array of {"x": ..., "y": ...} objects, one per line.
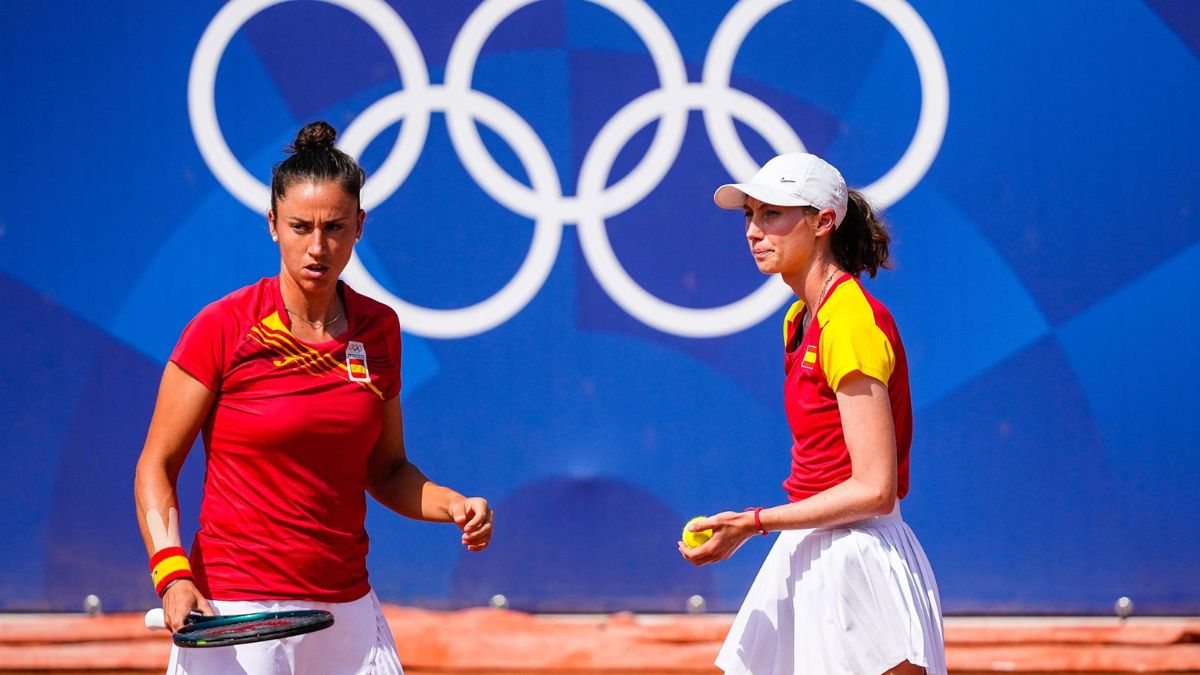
[
  {"x": 846, "y": 588},
  {"x": 295, "y": 383}
]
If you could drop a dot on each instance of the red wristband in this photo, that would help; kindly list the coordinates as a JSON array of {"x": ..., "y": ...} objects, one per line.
[
  {"x": 163, "y": 554},
  {"x": 167, "y": 581},
  {"x": 757, "y": 519},
  {"x": 168, "y": 565}
]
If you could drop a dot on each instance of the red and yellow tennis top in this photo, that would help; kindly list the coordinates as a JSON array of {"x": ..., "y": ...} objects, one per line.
[
  {"x": 853, "y": 332},
  {"x": 287, "y": 442}
]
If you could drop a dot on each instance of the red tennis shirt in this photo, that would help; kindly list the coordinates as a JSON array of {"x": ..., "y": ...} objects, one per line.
[
  {"x": 287, "y": 442},
  {"x": 853, "y": 332}
]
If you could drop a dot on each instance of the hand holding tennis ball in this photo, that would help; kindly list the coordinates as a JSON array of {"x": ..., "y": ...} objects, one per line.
[{"x": 694, "y": 539}]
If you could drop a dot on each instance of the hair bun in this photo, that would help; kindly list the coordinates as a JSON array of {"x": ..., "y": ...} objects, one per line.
[{"x": 317, "y": 135}]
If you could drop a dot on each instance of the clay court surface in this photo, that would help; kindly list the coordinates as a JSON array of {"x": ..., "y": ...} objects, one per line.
[{"x": 492, "y": 642}]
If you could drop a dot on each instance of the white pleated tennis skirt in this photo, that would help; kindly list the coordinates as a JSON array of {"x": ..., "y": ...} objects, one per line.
[
  {"x": 858, "y": 598},
  {"x": 358, "y": 643}
]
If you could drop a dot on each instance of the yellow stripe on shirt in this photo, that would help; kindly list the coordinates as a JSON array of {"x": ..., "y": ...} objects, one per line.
[{"x": 792, "y": 313}]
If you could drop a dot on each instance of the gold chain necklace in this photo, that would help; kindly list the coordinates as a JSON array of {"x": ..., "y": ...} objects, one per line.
[{"x": 319, "y": 325}]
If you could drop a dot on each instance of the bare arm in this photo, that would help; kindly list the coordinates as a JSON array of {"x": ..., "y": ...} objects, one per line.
[
  {"x": 398, "y": 484},
  {"x": 869, "y": 491},
  {"x": 182, "y": 405}
]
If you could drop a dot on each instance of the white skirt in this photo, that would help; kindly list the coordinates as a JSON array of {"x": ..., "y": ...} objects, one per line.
[
  {"x": 358, "y": 643},
  {"x": 859, "y": 598}
]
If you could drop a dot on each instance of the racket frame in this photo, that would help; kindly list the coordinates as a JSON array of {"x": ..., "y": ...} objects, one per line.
[{"x": 203, "y": 631}]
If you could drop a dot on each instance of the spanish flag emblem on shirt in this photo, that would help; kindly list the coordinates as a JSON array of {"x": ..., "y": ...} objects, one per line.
[
  {"x": 356, "y": 362},
  {"x": 810, "y": 357}
]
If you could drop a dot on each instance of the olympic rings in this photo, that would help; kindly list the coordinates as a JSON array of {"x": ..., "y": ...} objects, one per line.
[
  {"x": 202, "y": 107},
  {"x": 547, "y": 233},
  {"x": 594, "y": 200},
  {"x": 593, "y": 238},
  {"x": 668, "y": 62}
]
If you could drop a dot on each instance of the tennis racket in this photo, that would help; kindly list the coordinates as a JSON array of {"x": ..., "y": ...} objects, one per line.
[{"x": 239, "y": 629}]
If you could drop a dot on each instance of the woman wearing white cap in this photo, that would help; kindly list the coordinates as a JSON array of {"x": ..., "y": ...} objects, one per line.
[{"x": 846, "y": 587}]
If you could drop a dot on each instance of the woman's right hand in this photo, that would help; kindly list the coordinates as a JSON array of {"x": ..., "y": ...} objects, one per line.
[
  {"x": 180, "y": 599},
  {"x": 730, "y": 531},
  {"x": 182, "y": 406}
]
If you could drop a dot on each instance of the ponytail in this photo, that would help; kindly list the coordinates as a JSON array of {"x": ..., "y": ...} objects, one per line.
[{"x": 860, "y": 243}]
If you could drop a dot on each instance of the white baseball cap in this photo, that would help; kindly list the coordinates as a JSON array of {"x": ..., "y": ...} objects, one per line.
[{"x": 792, "y": 179}]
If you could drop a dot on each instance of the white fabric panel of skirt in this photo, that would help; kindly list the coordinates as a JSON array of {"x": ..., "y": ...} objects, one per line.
[
  {"x": 858, "y": 598},
  {"x": 358, "y": 643}
]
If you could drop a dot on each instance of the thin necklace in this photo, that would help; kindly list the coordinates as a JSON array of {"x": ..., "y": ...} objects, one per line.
[
  {"x": 824, "y": 287},
  {"x": 319, "y": 325}
]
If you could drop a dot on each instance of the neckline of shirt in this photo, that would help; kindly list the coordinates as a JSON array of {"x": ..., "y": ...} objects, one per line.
[{"x": 348, "y": 301}]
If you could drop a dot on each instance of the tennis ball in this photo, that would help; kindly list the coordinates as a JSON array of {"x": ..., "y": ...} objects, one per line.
[{"x": 694, "y": 539}]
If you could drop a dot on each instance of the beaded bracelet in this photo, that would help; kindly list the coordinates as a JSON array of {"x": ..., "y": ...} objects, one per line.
[{"x": 757, "y": 519}]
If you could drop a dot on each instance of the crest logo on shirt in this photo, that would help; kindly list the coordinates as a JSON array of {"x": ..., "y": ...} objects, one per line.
[
  {"x": 356, "y": 362},
  {"x": 810, "y": 357}
]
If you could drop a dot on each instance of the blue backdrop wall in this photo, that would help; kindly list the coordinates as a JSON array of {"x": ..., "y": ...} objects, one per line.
[{"x": 588, "y": 342}]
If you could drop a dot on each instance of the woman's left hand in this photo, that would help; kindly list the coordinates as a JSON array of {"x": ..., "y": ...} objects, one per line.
[
  {"x": 730, "y": 531},
  {"x": 474, "y": 518}
]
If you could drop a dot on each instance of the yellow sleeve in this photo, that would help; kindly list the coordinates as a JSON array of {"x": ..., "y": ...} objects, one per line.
[
  {"x": 852, "y": 342},
  {"x": 792, "y": 313}
]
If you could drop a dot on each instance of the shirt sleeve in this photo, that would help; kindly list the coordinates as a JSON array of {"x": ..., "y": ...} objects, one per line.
[
  {"x": 850, "y": 344},
  {"x": 790, "y": 320},
  {"x": 394, "y": 342},
  {"x": 201, "y": 350}
]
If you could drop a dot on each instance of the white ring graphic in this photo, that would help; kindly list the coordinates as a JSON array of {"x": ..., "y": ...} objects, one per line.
[
  {"x": 202, "y": 105},
  {"x": 593, "y": 237},
  {"x": 931, "y": 70},
  {"x": 483, "y": 316},
  {"x": 668, "y": 62},
  {"x": 545, "y": 202}
]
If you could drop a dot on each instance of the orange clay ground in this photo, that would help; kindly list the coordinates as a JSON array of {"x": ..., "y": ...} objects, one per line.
[{"x": 491, "y": 641}]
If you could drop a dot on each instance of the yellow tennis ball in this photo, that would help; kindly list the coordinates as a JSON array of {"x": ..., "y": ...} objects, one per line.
[{"x": 694, "y": 539}]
